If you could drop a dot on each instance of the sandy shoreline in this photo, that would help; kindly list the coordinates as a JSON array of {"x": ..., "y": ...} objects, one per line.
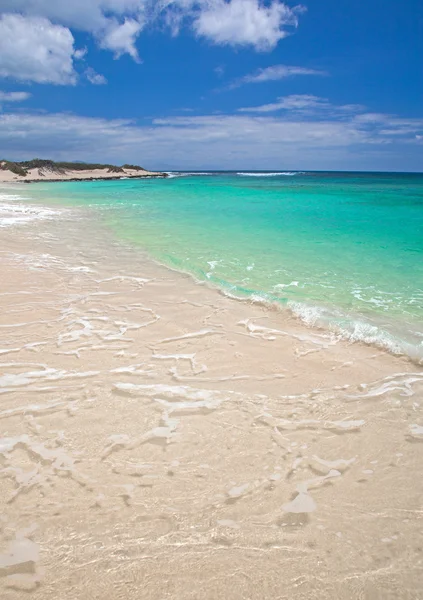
[{"x": 162, "y": 440}]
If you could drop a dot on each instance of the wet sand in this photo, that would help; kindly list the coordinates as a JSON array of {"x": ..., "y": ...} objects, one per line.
[{"x": 160, "y": 440}]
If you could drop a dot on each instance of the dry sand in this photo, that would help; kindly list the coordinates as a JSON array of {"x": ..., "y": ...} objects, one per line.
[{"x": 159, "y": 440}]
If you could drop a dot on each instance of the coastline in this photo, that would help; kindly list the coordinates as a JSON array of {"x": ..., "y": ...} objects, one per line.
[
  {"x": 171, "y": 435},
  {"x": 52, "y": 175},
  {"x": 102, "y": 178}
]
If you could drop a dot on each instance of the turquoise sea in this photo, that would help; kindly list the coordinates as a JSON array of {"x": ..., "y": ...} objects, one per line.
[{"x": 342, "y": 251}]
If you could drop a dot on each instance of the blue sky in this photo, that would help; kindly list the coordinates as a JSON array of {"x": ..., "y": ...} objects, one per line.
[{"x": 214, "y": 84}]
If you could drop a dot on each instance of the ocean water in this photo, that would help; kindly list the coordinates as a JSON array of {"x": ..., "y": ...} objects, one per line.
[{"x": 343, "y": 251}]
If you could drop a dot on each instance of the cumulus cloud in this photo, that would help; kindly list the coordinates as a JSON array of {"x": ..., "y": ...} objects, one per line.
[
  {"x": 85, "y": 15},
  {"x": 291, "y": 141},
  {"x": 120, "y": 38},
  {"x": 257, "y": 23},
  {"x": 246, "y": 22},
  {"x": 116, "y": 24},
  {"x": 33, "y": 49}
]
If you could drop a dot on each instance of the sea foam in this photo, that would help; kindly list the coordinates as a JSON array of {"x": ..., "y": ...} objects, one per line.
[
  {"x": 276, "y": 174},
  {"x": 356, "y": 329},
  {"x": 14, "y": 212}
]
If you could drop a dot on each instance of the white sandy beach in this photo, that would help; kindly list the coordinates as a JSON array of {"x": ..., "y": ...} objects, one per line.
[{"x": 160, "y": 440}]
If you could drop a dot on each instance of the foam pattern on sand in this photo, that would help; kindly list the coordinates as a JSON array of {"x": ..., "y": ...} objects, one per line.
[{"x": 157, "y": 435}]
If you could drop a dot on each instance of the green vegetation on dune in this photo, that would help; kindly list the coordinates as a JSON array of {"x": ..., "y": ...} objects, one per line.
[
  {"x": 133, "y": 167},
  {"x": 6, "y": 165}
]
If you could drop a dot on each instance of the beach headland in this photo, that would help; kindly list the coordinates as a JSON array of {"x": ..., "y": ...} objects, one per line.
[
  {"x": 161, "y": 440},
  {"x": 37, "y": 170}
]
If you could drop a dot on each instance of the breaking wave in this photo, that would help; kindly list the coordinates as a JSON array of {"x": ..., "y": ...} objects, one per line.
[
  {"x": 173, "y": 174},
  {"x": 14, "y": 212},
  {"x": 358, "y": 329},
  {"x": 276, "y": 174}
]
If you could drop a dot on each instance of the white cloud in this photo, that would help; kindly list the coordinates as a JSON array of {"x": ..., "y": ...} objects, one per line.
[
  {"x": 274, "y": 73},
  {"x": 14, "y": 96},
  {"x": 371, "y": 118},
  {"x": 80, "y": 53},
  {"x": 295, "y": 102},
  {"x": 85, "y": 15},
  {"x": 259, "y": 133},
  {"x": 95, "y": 78},
  {"x": 307, "y": 104},
  {"x": 37, "y": 44},
  {"x": 353, "y": 108},
  {"x": 292, "y": 141},
  {"x": 246, "y": 22},
  {"x": 257, "y": 23},
  {"x": 120, "y": 38},
  {"x": 116, "y": 24},
  {"x": 33, "y": 49}
]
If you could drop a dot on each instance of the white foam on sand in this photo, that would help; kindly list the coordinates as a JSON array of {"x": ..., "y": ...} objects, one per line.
[{"x": 14, "y": 212}]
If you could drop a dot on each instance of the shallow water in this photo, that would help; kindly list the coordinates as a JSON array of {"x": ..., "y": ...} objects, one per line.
[{"x": 341, "y": 250}]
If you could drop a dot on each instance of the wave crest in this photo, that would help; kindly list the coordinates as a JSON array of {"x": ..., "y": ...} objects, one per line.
[
  {"x": 357, "y": 330},
  {"x": 276, "y": 174}
]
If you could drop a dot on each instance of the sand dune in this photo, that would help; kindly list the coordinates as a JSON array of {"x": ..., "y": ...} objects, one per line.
[{"x": 52, "y": 173}]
